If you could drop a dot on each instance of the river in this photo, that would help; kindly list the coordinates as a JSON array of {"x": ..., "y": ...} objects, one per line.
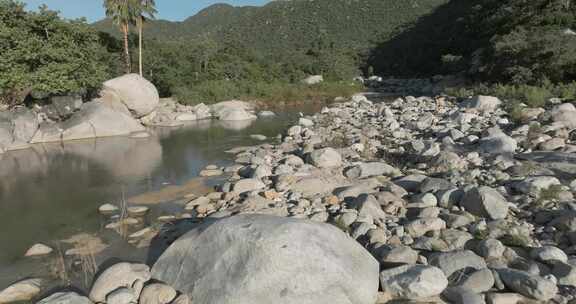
[{"x": 53, "y": 191}]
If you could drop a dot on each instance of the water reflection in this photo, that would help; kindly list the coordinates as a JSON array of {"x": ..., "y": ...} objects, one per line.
[{"x": 53, "y": 190}]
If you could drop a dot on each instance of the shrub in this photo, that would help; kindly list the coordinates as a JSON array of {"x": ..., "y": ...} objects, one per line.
[{"x": 42, "y": 52}]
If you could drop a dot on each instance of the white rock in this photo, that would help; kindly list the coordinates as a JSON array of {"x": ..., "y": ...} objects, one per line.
[
  {"x": 24, "y": 290},
  {"x": 137, "y": 93},
  {"x": 38, "y": 249},
  {"x": 261, "y": 259},
  {"x": 413, "y": 282},
  {"x": 119, "y": 275}
]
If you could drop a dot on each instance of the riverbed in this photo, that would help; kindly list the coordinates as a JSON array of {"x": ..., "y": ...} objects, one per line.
[{"x": 52, "y": 191}]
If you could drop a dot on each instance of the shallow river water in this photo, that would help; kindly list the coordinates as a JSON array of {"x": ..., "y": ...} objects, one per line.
[{"x": 51, "y": 192}]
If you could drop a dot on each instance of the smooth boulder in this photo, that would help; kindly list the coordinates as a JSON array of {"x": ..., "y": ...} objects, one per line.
[
  {"x": 262, "y": 259},
  {"x": 138, "y": 94},
  {"x": 120, "y": 275},
  {"x": 95, "y": 119}
]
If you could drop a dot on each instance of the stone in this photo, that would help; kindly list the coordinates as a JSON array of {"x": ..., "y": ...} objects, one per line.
[
  {"x": 65, "y": 298},
  {"x": 460, "y": 295},
  {"x": 413, "y": 282},
  {"x": 549, "y": 254},
  {"x": 485, "y": 202},
  {"x": 305, "y": 122},
  {"x": 490, "y": 249},
  {"x": 66, "y": 105},
  {"x": 565, "y": 114},
  {"x": 371, "y": 169},
  {"x": 122, "y": 296},
  {"x": 533, "y": 185},
  {"x": 258, "y": 137},
  {"x": 24, "y": 290},
  {"x": 138, "y": 94},
  {"x": 157, "y": 293},
  {"x": 451, "y": 262},
  {"x": 367, "y": 205},
  {"x": 117, "y": 276},
  {"x": 477, "y": 281},
  {"x": 528, "y": 285},
  {"x": 392, "y": 256},
  {"x": 312, "y": 80},
  {"x": 266, "y": 114},
  {"x": 497, "y": 142},
  {"x": 182, "y": 299},
  {"x": 565, "y": 273},
  {"x": 186, "y": 117},
  {"x": 421, "y": 226},
  {"x": 431, "y": 184},
  {"x": 107, "y": 209},
  {"x": 248, "y": 185},
  {"x": 38, "y": 249},
  {"x": 325, "y": 158},
  {"x": 483, "y": 103},
  {"x": 504, "y": 298},
  {"x": 260, "y": 259},
  {"x": 234, "y": 114}
]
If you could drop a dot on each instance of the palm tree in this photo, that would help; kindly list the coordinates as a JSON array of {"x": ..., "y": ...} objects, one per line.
[
  {"x": 122, "y": 14},
  {"x": 144, "y": 9}
]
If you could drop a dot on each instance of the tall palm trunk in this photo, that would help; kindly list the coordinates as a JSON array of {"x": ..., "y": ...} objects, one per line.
[
  {"x": 125, "y": 30},
  {"x": 140, "y": 26}
]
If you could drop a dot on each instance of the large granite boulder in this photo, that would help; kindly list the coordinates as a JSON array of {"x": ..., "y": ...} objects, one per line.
[
  {"x": 262, "y": 259},
  {"x": 95, "y": 119},
  {"x": 17, "y": 128},
  {"x": 138, "y": 94}
]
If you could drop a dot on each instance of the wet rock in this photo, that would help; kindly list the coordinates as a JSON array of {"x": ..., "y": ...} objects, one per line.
[
  {"x": 120, "y": 275},
  {"x": 38, "y": 249},
  {"x": 24, "y": 290}
]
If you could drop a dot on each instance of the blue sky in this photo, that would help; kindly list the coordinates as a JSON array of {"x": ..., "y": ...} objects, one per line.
[{"x": 175, "y": 10}]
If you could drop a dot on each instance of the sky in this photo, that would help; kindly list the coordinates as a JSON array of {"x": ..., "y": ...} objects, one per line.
[{"x": 174, "y": 10}]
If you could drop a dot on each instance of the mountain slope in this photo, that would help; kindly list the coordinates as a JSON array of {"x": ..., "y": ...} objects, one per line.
[{"x": 283, "y": 25}]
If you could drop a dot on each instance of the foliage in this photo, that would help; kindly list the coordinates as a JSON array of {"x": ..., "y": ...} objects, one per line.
[
  {"x": 272, "y": 93},
  {"x": 42, "y": 52},
  {"x": 509, "y": 41}
]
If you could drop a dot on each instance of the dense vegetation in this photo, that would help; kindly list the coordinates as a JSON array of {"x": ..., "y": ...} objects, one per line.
[
  {"x": 512, "y": 41},
  {"x": 264, "y": 52},
  {"x": 41, "y": 53}
]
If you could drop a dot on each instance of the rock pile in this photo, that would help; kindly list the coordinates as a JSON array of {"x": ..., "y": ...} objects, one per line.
[
  {"x": 456, "y": 202},
  {"x": 366, "y": 202}
]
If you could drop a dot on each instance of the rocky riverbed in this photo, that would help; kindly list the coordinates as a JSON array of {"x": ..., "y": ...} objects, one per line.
[{"x": 419, "y": 200}]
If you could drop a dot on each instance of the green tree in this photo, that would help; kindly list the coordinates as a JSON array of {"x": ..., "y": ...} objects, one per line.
[
  {"x": 144, "y": 9},
  {"x": 41, "y": 52},
  {"x": 123, "y": 14}
]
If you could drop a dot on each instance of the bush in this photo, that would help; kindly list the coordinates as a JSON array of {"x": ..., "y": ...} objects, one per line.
[
  {"x": 42, "y": 52},
  {"x": 271, "y": 93}
]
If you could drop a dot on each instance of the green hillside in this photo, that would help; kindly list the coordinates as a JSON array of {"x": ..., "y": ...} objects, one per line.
[{"x": 286, "y": 25}]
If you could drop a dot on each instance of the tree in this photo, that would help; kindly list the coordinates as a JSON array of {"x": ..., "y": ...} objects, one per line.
[
  {"x": 122, "y": 14},
  {"x": 41, "y": 52},
  {"x": 144, "y": 9}
]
